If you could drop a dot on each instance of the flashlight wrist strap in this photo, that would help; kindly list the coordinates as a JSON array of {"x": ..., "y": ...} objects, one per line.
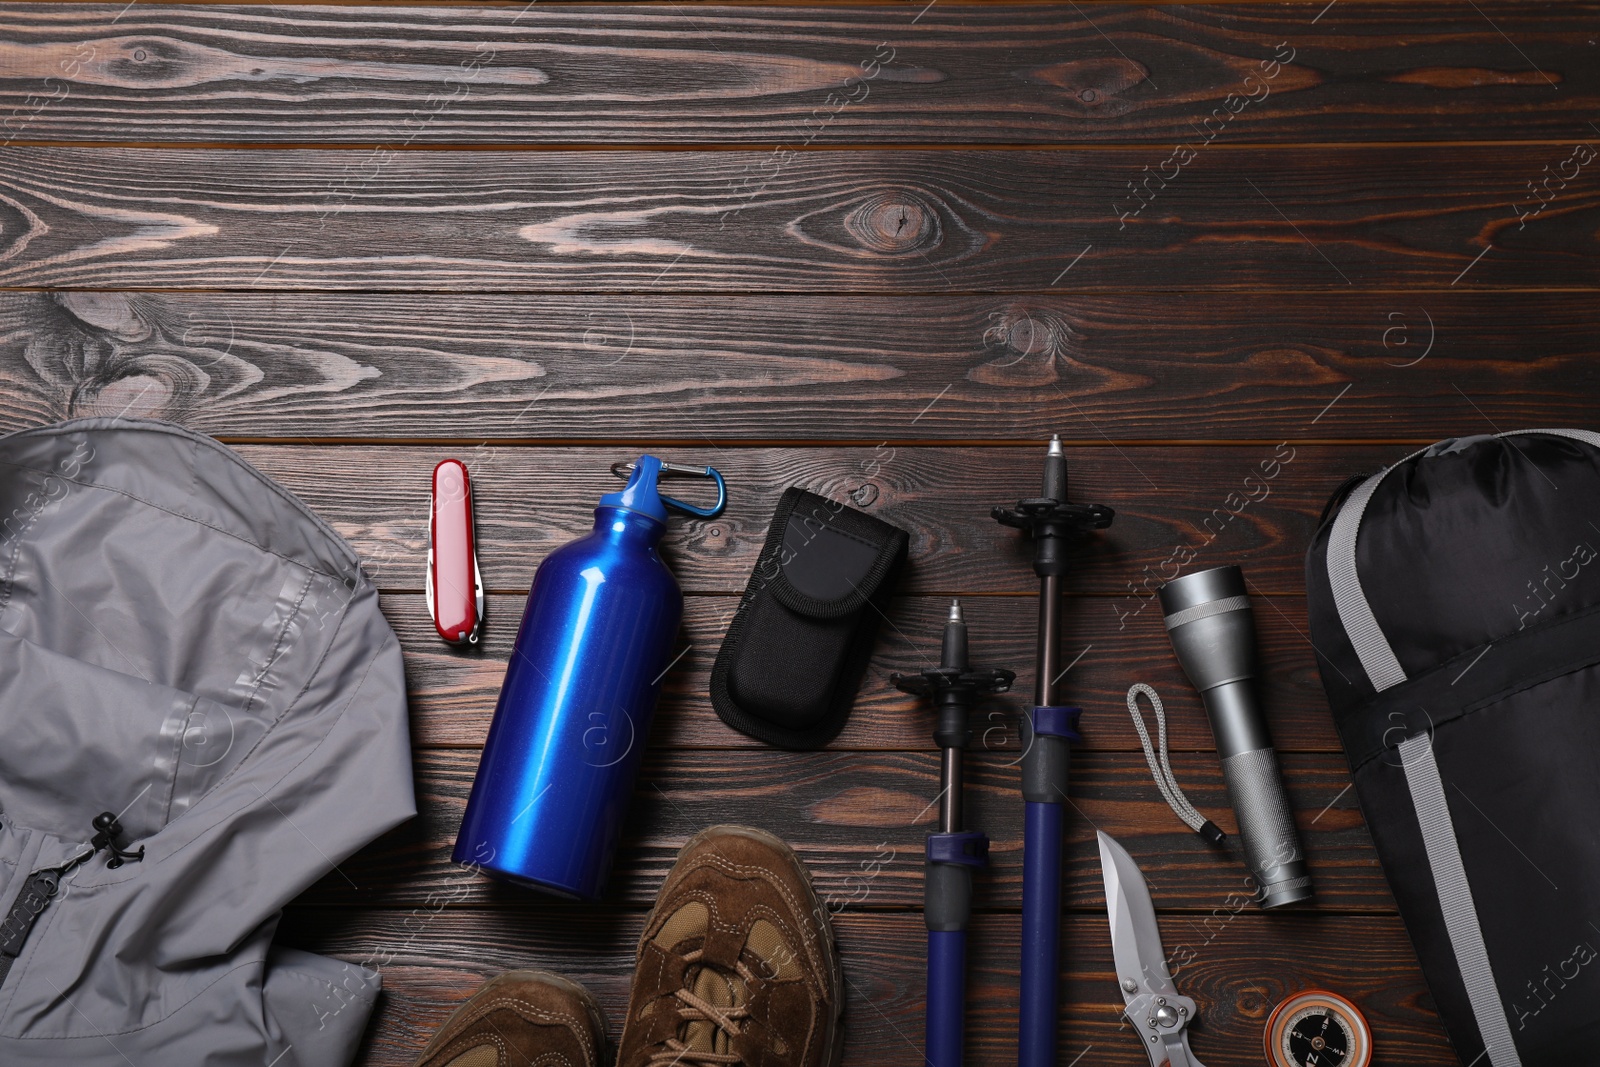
[{"x": 1161, "y": 766}]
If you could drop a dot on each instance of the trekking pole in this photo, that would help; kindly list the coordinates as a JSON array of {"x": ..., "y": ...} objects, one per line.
[
  {"x": 952, "y": 853},
  {"x": 1050, "y": 520}
]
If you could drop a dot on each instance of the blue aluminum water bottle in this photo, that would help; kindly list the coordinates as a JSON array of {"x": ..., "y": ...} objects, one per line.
[{"x": 597, "y": 637}]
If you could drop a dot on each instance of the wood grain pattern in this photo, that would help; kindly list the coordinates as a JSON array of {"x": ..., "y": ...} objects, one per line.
[
  {"x": 1243, "y": 964},
  {"x": 1250, "y": 219},
  {"x": 859, "y": 819},
  {"x": 453, "y": 690},
  {"x": 963, "y": 74},
  {"x": 1255, "y": 505},
  {"x": 722, "y": 238},
  {"x": 862, "y": 368}
]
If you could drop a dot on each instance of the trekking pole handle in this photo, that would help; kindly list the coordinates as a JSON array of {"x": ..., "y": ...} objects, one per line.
[{"x": 1052, "y": 729}]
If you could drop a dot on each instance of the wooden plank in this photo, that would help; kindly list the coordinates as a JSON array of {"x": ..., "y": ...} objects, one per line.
[
  {"x": 859, "y": 819},
  {"x": 453, "y": 690},
  {"x": 1249, "y": 219},
  {"x": 1178, "y": 509},
  {"x": 481, "y": 367},
  {"x": 1243, "y": 964},
  {"x": 794, "y": 76}
]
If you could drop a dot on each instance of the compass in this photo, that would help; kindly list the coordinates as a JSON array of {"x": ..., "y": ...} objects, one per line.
[{"x": 1318, "y": 1029}]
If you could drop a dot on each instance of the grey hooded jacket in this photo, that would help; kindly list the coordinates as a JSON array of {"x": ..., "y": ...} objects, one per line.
[{"x": 184, "y": 643}]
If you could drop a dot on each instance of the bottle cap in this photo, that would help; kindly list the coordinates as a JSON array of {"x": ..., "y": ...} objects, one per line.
[{"x": 640, "y": 493}]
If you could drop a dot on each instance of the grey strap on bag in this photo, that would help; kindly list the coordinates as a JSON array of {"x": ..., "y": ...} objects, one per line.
[
  {"x": 1455, "y": 899},
  {"x": 1355, "y": 613}
]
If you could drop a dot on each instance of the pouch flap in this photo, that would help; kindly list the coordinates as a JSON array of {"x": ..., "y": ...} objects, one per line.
[{"x": 827, "y": 560}]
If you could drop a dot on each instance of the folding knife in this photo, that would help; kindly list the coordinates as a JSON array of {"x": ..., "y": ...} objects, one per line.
[
  {"x": 454, "y": 588},
  {"x": 1159, "y": 1013}
]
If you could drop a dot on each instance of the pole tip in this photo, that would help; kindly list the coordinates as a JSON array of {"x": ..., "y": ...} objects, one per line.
[
  {"x": 955, "y": 612},
  {"x": 1055, "y": 445}
]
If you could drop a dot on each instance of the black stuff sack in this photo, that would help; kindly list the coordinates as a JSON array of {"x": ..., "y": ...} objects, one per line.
[{"x": 1454, "y": 602}]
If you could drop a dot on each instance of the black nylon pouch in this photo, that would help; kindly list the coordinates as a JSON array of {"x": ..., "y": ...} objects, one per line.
[{"x": 795, "y": 652}]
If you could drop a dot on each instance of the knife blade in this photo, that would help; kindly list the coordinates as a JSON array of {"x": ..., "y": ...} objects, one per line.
[
  {"x": 1158, "y": 1012},
  {"x": 1135, "y": 937}
]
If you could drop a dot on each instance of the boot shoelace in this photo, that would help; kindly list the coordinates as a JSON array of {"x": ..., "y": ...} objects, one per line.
[{"x": 693, "y": 1008}]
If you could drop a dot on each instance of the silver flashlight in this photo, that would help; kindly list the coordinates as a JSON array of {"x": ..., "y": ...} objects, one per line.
[{"x": 1212, "y": 630}]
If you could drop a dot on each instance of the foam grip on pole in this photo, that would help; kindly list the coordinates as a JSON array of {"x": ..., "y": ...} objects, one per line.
[
  {"x": 947, "y": 896},
  {"x": 1045, "y": 770},
  {"x": 1047, "y": 752}
]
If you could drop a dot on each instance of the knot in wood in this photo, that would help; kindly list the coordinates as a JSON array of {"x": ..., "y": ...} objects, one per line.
[
  {"x": 148, "y": 61},
  {"x": 892, "y": 223}
]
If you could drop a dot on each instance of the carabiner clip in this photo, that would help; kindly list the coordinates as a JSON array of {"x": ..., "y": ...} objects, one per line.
[{"x": 622, "y": 470}]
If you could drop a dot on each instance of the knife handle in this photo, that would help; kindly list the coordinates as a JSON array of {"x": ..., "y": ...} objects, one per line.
[
  {"x": 1178, "y": 1054},
  {"x": 455, "y": 596}
]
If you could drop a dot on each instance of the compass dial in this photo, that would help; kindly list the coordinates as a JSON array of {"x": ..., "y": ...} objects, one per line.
[{"x": 1318, "y": 1029}]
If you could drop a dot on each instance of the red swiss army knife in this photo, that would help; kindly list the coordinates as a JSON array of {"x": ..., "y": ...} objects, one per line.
[{"x": 455, "y": 589}]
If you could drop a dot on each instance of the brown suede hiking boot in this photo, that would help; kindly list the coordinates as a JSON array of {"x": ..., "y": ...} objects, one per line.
[
  {"x": 737, "y": 963},
  {"x": 521, "y": 1019}
]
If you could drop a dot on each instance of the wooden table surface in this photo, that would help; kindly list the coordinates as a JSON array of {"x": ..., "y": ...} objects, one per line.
[{"x": 1231, "y": 253}]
